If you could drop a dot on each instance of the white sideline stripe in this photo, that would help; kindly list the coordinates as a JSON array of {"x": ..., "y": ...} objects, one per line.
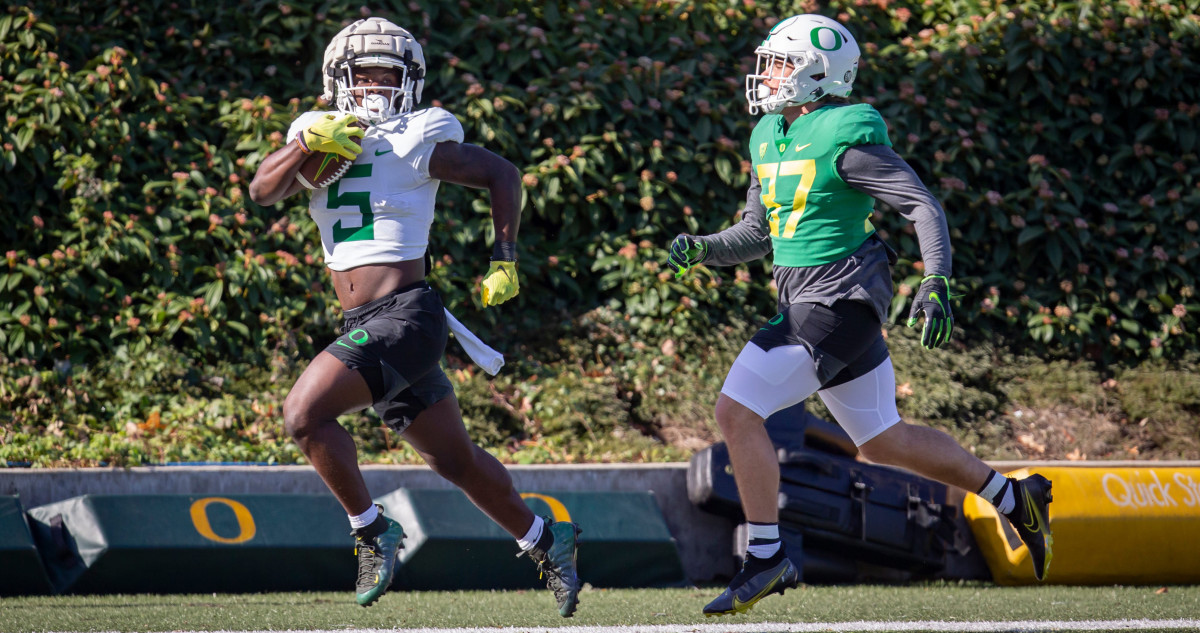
[{"x": 1016, "y": 626}]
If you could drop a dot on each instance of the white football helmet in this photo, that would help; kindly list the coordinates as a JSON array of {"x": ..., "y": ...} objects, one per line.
[
  {"x": 823, "y": 60},
  {"x": 379, "y": 43}
]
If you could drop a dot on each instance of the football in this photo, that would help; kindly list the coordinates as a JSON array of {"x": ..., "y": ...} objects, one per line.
[{"x": 322, "y": 169}]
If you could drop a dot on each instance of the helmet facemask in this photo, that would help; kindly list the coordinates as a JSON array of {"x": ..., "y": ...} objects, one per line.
[
  {"x": 797, "y": 73},
  {"x": 374, "y": 103}
]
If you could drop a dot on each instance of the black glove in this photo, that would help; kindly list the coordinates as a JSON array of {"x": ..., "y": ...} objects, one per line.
[
  {"x": 933, "y": 299},
  {"x": 686, "y": 251}
]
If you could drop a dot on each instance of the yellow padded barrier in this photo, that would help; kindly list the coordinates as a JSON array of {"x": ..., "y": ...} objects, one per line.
[{"x": 1110, "y": 526}]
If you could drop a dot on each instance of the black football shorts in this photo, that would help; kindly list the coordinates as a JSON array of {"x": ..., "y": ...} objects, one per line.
[
  {"x": 396, "y": 343},
  {"x": 844, "y": 339}
]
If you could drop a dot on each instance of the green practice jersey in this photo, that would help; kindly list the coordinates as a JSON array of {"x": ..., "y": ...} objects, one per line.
[{"x": 814, "y": 216}]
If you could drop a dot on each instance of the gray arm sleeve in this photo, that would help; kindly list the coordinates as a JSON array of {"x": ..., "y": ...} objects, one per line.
[
  {"x": 878, "y": 171},
  {"x": 745, "y": 241}
]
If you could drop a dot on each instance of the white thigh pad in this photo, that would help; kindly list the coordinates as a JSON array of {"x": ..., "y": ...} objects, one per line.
[
  {"x": 865, "y": 406},
  {"x": 766, "y": 382}
]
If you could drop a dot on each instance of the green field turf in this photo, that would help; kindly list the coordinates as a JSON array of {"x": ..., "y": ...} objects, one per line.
[{"x": 937, "y": 602}]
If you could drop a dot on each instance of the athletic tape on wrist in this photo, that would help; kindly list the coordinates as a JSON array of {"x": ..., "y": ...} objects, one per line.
[{"x": 504, "y": 252}]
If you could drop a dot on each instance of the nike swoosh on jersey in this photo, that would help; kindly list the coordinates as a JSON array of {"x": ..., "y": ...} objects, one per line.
[
  {"x": 382, "y": 152},
  {"x": 803, "y": 146}
]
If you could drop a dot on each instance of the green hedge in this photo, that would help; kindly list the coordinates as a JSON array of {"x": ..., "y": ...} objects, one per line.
[
  {"x": 1059, "y": 135},
  {"x": 1061, "y": 139}
]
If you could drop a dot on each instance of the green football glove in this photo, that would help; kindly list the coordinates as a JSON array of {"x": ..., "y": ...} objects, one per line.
[
  {"x": 334, "y": 134},
  {"x": 933, "y": 299},
  {"x": 686, "y": 251},
  {"x": 500, "y": 284}
]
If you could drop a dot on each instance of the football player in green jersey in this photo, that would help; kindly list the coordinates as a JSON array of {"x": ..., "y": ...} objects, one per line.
[{"x": 818, "y": 165}]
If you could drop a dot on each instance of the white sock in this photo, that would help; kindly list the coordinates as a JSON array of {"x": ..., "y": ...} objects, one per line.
[
  {"x": 999, "y": 492},
  {"x": 531, "y": 537},
  {"x": 366, "y": 518},
  {"x": 763, "y": 539}
]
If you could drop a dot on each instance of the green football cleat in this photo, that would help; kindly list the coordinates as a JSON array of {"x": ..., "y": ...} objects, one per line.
[
  {"x": 376, "y": 559},
  {"x": 1031, "y": 519},
  {"x": 758, "y": 579},
  {"x": 556, "y": 562}
]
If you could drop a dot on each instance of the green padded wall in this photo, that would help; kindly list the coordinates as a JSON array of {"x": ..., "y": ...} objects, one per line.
[
  {"x": 195, "y": 543},
  {"x": 451, "y": 544},
  {"x": 236, "y": 543},
  {"x": 21, "y": 571}
]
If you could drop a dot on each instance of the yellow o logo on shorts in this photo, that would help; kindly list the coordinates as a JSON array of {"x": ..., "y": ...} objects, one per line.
[
  {"x": 246, "y": 529},
  {"x": 556, "y": 507}
]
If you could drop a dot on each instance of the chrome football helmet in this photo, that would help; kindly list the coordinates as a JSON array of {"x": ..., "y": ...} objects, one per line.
[
  {"x": 373, "y": 42},
  {"x": 810, "y": 56}
]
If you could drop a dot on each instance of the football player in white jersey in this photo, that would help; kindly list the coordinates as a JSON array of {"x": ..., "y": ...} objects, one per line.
[{"x": 374, "y": 223}]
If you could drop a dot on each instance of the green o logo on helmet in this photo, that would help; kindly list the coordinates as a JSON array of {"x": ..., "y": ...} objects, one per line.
[{"x": 815, "y": 35}]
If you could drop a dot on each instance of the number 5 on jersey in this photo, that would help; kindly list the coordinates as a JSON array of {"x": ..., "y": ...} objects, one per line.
[
  {"x": 360, "y": 199},
  {"x": 769, "y": 174}
]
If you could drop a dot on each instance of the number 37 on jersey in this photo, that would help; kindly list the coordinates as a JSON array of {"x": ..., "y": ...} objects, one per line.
[{"x": 786, "y": 184}]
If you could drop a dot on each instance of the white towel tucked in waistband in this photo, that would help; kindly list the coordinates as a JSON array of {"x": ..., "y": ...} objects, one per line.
[{"x": 489, "y": 359}]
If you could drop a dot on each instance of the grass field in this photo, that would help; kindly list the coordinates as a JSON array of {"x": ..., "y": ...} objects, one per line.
[{"x": 929, "y": 606}]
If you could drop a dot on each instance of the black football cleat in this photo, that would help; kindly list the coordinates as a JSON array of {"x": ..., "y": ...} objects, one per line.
[
  {"x": 758, "y": 579},
  {"x": 557, "y": 562},
  {"x": 1031, "y": 519},
  {"x": 377, "y": 554}
]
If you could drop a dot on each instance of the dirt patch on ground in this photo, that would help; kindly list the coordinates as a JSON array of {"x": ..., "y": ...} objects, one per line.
[
  {"x": 1035, "y": 434},
  {"x": 690, "y": 426},
  {"x": 1068, "y": 433}
]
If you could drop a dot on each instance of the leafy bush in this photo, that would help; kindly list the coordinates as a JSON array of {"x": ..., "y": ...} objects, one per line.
[
  {"x": 1167, "y": 400},
  {"x": 1060, "y": 137},
  {"x": 154, "y": 408},
  {"x": 137, "y": 138}
]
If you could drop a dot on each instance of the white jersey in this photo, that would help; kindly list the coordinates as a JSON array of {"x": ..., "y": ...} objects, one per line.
[{"x": 380, "y": 211}]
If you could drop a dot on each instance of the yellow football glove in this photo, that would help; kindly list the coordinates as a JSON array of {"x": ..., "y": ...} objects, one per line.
[
  {"x": 334, "y": 134},
  {"x": 500, "y": 284}
]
